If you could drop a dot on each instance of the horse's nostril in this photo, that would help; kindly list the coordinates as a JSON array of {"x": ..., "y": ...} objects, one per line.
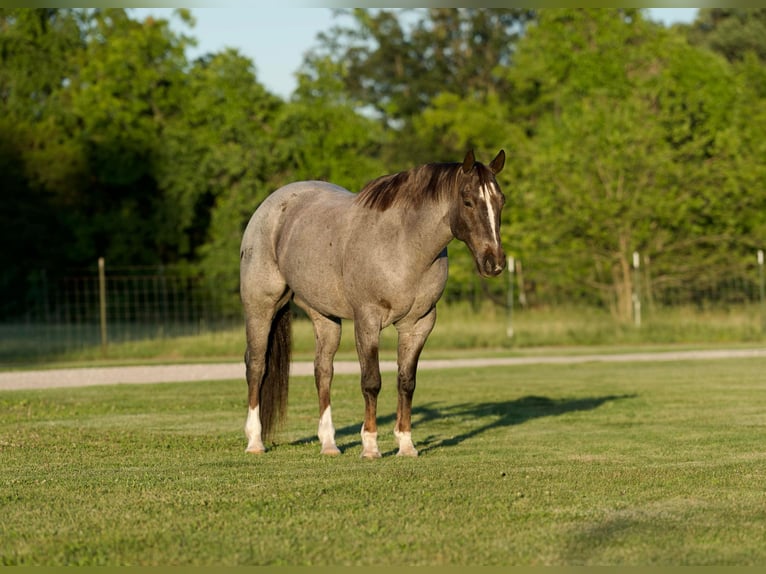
[{"x": 491, "y": 267}]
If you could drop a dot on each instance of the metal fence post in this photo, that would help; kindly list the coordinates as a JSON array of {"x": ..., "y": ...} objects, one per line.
[
  {"x": 102, "y": 303},
  {"x": 509, "y": 304},
  {"x": 763, "y": 292},
  {"x": 636, "y": 289}
]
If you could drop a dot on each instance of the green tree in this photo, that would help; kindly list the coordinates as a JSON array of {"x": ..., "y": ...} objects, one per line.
[
  {"x": 733, "y": 32},
  {"x": 218, "y": 163},
  {"x": 632, "y": 150},
  {"x": 399, "y": 63},
  {"x": 35, "y": 50},
  {"x": 127, "y": 87},
  {"x": 324, "y": 134}
]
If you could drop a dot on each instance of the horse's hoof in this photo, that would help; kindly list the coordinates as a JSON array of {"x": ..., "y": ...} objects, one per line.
[
  {"x": 412, "y": 453},
  {"x": 331, "y": 451},
  {"x": 255, "y": 447},
  {"x": 371, "y": 455}
]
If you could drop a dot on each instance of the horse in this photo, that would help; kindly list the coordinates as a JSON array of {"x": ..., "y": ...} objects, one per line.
[{"x": 378, "y": 257}]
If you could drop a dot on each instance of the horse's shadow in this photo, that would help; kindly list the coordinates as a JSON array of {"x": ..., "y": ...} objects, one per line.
[{"x": 488, "y": 416}]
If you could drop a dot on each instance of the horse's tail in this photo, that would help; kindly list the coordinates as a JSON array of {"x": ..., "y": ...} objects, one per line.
[{"x": 273, "y": 392}]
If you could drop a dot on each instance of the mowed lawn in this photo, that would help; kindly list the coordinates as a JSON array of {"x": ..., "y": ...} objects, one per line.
[{"x": 645, "y": 463}]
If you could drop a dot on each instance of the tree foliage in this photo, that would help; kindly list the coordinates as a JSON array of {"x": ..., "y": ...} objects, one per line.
[
  {"x": 732, "y": 32},
  {"x": 633, "y": 151},
  {"x": 622, "y": 136},
  {"x": 401, "y": 62}
]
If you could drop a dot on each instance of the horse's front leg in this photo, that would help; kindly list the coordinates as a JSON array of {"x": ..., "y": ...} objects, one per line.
[
  {"x": 412, "y": 338},
  {"x": 367, "y": 336}
]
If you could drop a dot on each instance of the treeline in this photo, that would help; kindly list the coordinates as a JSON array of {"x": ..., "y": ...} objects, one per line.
[{"x": 622, "y": 136}]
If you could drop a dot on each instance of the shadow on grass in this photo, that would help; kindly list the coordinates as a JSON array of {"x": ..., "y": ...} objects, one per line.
[
  {"x": 488, "y": 416},
  {"x": 503, "y": 414}
]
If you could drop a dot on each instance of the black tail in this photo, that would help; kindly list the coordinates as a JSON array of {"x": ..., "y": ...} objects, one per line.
[{"x": 273, "y": 395}]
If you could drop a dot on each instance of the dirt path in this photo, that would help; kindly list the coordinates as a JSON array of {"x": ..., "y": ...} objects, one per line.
[{"x": 14, "y": 380}]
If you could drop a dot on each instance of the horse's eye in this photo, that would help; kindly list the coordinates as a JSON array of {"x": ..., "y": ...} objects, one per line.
[{"x": 468, "y": 203}]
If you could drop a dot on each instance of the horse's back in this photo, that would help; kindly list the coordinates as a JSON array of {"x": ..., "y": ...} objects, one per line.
[{"x": 289, "y": 204}]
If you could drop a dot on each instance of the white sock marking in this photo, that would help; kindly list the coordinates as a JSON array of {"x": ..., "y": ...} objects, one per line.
[
  {"x": 326, "y": 431},
  {"x": 404, "y": 440},
  {"x": 253, "y": 430},
  {"x": 369, "y": 444}
]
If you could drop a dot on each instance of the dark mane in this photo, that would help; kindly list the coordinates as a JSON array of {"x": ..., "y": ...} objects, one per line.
[{"x": 409, "y": 189}]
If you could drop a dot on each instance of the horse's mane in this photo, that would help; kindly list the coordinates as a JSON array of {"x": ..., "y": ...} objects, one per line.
[{"x": 409, "y": 189}]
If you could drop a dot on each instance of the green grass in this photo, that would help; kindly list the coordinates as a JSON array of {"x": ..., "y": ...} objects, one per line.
[
  {"x": 645, "y": 463},
  {"x": 459, "y": 329}
]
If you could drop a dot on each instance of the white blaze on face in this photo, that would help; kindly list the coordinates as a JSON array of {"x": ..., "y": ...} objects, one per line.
[{"x": 486, "y": 195}]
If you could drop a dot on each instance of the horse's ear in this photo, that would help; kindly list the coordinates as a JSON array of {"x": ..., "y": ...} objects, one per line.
[
  {"x": 497, "y": 164},
  {"x": 468, "y": 161}
]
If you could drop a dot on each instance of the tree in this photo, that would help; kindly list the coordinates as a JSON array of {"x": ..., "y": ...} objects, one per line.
[
  {"x": 127, "y": 87},
  {"x": 325, "y": 135},
  {"x": 732, "y": 32},
  {"x": 35, "y": 47},
  {"x": 223, "y": 145},
  {"x": 631, "y": 150},
  {"x": 398, "y": 62}
]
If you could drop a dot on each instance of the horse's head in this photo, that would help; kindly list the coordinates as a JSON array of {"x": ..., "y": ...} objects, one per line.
[{"x": 475, "y": 215}]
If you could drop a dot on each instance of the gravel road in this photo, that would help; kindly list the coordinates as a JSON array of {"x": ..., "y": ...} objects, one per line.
[{"x": 56, "y": 378}]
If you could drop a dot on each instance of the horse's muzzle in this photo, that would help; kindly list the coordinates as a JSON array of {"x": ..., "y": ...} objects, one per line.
[{"x": 492, "y": 263}]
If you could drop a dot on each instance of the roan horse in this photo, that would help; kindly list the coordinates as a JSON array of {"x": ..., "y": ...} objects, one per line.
[{"x": 378, "y": 257}]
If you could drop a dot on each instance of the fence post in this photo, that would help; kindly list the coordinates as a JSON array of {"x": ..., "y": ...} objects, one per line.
[
  {"x": 763, "y": 292},
  {"x": 102, "y": 303},
  {"x": 509, "y": 304},
  {"x": 636, "y": 289},
  {"x": 519, "y": 271}
]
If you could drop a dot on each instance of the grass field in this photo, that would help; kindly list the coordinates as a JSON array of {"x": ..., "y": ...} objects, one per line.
[
  {"x": 459, "y": 328},
  {"x": 651, "y": 463}
]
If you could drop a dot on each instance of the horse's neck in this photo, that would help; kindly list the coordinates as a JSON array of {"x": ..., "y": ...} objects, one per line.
[{"x": 424, "y": 232}]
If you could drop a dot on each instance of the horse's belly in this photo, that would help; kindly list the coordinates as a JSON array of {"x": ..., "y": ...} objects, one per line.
[{"x": 320, "y": 294}]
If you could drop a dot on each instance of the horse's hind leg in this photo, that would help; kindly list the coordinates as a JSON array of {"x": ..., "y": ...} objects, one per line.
[
  {"x": 412, "y": 338},
  {"x": 257, "y": 327},
  {"x": 327, "y": 335},
  {"x": 260, "y": 312}
]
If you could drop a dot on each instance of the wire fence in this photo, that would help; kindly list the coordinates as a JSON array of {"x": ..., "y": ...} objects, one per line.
[{"x": 88, "y": 309}]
